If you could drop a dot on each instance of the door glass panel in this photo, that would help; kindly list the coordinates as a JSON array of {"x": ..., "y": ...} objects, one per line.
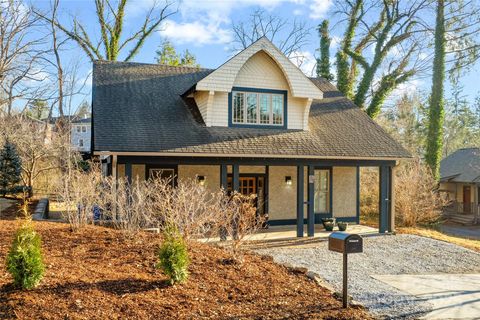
[
  {"x": 162, "y": 173},
  {"x": 322, "y": 191}
]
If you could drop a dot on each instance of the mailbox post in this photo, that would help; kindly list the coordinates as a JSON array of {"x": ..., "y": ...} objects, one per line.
[{"x": 345, "y": 243}]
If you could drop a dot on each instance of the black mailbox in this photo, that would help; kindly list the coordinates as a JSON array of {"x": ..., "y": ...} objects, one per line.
[{"x": 345, "y": 242}]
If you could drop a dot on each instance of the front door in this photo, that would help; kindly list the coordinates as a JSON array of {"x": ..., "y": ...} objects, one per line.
[
  {"x": 467, "y": 199},
  {"x": 252, "y": 185}
]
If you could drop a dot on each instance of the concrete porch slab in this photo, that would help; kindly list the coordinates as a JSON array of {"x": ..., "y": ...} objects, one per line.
[
  {"x": 453, "y": 296},
  {"x": 285, "y": 236}
]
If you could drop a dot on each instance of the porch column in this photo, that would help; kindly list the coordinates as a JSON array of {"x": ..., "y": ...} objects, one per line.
[
  {"x": 128, "y": 172},
  {"x": 310, "y": 213},
  {"x": 223, "y": 177},
  {"x": 300, "y": 200},
  {"x": 357, "y": 218},
  {"x": 235, "y": 177},
  {"x": 385, "y": 199},
  {"x": 114, "y": 167}
]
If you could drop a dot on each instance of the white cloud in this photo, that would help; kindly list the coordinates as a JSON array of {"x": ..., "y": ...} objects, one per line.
[
  {"x": 195, "y": 32},
  {"x": 305, "y": 60},
  {"x": 319, "y": 8},
  {"x": 297, "y": 12}
]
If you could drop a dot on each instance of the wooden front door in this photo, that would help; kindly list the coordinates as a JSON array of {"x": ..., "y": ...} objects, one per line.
[
  {"x": 252, "y": 185},
  {"x": 467, "y": 200},
  {"x": 248, "y": 185}
]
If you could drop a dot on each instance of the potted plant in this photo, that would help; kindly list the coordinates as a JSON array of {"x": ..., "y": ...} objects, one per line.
[
  {"x": 342, "y": 226},
  {"x": 328, "y": 223}
]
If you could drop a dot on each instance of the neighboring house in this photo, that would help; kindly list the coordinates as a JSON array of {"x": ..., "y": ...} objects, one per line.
[
  {"x": 255, "y": 124},
  {"x": 81, "y": 134},
  {"x": 460, "y": 179}
]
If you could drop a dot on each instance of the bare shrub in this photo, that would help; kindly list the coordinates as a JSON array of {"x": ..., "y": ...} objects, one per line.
[
  {"x": 417, "y": 200},
  {"x": 129, "y": 206},
  {"x": 238, "y": 220},
  {"x": 80, "y": 192}
]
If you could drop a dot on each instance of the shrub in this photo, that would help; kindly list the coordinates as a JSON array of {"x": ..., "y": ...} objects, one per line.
[
  {"x": 24, "y": 261},
  {"x": 173, "y": 257},
  {"x": 417, "y": 200}
]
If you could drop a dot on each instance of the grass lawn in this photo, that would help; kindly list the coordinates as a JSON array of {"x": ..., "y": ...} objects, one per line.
[
  {"x": 430, "y": 233},
  {"x": 98, "y": 273}
]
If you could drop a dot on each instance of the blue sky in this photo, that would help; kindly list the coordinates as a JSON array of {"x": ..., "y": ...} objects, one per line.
[{"x": 204, "y": 28}]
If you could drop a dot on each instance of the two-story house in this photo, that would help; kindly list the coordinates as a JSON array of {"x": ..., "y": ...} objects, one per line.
[
  {"x": 256, "y": 124},
  {"x": 81, "y": 134}
]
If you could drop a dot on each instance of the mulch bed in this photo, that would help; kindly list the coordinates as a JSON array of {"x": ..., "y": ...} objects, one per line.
[{"x": 98, "y": 273}]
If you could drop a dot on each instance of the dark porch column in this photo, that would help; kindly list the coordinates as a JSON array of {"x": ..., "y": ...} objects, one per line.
[
  {"x": 385, "y": 196},
  {"x": 310, "y": 214},
  {"x": 235, "y": 177},
  {"x": 300, "y": 200},
  {"x": 128, "y": 172},
  {"x": 223, "y": 176}
]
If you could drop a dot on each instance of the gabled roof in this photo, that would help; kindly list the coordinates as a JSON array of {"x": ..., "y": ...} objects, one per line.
[
  {"x": 461, "y": 166},
  {"x": 140, "y": 108},
  {"x": 223, "y": 78}
]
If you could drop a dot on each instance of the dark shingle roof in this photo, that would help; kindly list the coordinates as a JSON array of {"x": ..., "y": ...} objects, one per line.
[
  {"x": 461, "y": 166},
  {"x": 139, "y": 108}
]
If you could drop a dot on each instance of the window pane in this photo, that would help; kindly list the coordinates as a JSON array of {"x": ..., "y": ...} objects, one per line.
[
  {"x": 277, "y": 105},
  {"x": 322, "y": 191},
  {"x": 251, "y": 108},
  {"x": 238, "y": 112},
  {"x": 265, "y": 108}
]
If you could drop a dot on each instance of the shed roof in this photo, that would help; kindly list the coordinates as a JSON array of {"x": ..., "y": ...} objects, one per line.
[{"x": 461, "y": 166}]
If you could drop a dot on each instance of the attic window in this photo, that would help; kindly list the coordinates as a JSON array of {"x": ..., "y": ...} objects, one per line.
[{"x": 258, "y": 107}]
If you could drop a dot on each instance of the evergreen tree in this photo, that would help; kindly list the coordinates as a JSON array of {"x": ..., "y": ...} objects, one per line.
[
  {"x": 167, "y": 54},
  {"x": 38, "y": 109},
  {"x": 436, "y": 111},
  {"x": 323, "y": 63},
  {"x": 10, "y": 167}
]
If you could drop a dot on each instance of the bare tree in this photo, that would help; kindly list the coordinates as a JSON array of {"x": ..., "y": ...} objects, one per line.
[
  {"x": 262, "y": 25},
  {"x": 111, "y": 19},
  {"x": 19, "y": 54}
]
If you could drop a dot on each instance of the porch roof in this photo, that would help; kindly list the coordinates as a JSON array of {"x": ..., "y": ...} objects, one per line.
[
  {"x": 461, "y": 166},
  {"x": 141, "y": 108}
]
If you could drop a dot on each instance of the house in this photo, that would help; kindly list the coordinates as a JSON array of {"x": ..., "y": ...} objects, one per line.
[
  {"x": 255, "y": 124},
  {"x": 460, "y": 179},
  {"x": 81, "y": 134}
]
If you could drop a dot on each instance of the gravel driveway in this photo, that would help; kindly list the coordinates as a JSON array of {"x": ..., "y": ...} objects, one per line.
[{"x": 383, "y": 255}]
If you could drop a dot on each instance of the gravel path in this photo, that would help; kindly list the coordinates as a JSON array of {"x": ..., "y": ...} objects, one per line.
[{"x": 400, "y": 254}]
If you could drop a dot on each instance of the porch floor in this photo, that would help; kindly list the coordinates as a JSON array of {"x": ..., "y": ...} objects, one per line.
[{"x": 285, "y": 236}]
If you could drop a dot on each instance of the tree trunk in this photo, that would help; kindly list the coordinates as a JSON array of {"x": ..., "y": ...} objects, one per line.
[{"x": 436, "y": 112}]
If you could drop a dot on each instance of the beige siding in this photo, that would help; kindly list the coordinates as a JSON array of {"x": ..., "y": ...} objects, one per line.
[
  {"x": 120, "y": 170},
  {"x": 248, "y": 169},
  {"x": 138, "y": 172},
  {"x": 219, "y": 112},
  {"x": 282, "y": 199},
  {"x": 344, "y": 191},
  {"x": 223, "y": 78},
  {"x": 261, "y": 71},
  {"x": 211, "y": 173},
  {"x": 201, "y": 99}
]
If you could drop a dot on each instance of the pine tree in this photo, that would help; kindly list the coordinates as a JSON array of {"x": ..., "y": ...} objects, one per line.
[
  {"x": 323, "y": 63},
  {"x": 436, "y": 112},
  {"x": 10, "y": 167}
]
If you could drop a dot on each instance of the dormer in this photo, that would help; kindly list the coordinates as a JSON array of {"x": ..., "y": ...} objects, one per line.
[{"x": 258, "y": 88}]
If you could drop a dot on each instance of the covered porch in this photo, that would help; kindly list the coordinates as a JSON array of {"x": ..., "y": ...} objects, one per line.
[{"x": 294, "y": 193}]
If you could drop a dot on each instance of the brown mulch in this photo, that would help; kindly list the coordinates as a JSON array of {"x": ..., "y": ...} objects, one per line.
[{"x": 97, "y": 273}]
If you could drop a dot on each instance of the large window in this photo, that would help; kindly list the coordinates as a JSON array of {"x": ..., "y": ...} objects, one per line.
[
  {"x": 322, "y": 191},
  {"x": 257, "y": 108}
]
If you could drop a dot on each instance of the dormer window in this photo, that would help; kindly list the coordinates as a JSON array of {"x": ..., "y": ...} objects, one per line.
[{"x": 258, "y": 107}]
